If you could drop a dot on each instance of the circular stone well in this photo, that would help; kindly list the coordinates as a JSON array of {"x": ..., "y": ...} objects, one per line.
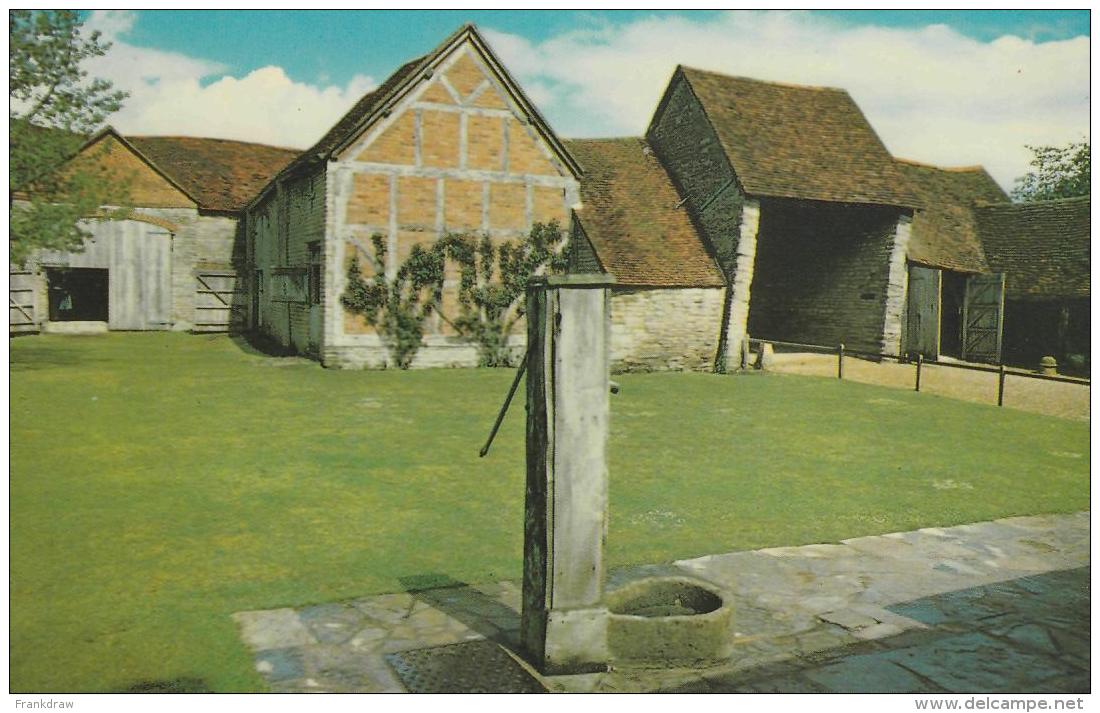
[{"x": 674, "y": 621}]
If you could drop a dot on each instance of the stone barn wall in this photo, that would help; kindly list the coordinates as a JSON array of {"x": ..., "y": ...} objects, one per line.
[{"x": 665, "y": 329}]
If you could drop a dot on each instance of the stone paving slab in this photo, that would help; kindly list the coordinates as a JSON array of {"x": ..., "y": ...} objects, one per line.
[{"x": 992, "y": 606}]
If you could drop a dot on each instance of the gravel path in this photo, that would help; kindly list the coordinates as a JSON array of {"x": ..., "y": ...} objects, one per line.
[{"x": 1051, "y": 398}]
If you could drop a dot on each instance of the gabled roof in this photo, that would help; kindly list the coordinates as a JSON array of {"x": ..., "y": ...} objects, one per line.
[
  {"x": 349, "y": 124},
  {"x": 218, "y": 174},
  {"x": 377, "y": 104},
  {"x": 945, "y": 231},
  {"x": 634, "y": 218},
  {"x": 788, "y": 141},
  {"x": 112, "y": 132},
  {"x": 1042, "y": 247}
]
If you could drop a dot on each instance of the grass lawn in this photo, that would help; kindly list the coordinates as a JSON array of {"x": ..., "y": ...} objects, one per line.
[{"x": 161, "y": 482}]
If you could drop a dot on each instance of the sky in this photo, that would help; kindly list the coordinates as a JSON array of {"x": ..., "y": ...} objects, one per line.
[{"x": 951, "y": 88}]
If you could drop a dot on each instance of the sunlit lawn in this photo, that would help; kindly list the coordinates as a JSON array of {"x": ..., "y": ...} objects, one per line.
[{"x": 161, "y": 482}]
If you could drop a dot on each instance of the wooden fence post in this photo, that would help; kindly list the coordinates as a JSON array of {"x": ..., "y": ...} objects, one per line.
[
  {"x": 920, "y": 363},
  {"x": 1001, "y": 386},
  {"x": 840, "y": 362}
]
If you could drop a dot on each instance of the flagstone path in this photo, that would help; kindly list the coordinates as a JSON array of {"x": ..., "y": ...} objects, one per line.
[{"x": 999, "y": 606}]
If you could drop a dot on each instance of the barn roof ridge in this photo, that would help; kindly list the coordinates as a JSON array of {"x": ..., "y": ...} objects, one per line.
[
  {"x": 110, "y": 130},
  {"x": 953, "y": 169},
  {"x": 757, "y": 80}
]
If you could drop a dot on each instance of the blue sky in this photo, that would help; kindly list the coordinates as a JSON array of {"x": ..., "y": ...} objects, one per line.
[
  {"x": 947, "y": 87},
  {"x": 334, "y": 45}
]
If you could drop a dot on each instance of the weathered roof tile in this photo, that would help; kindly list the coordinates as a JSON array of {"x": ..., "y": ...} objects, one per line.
[
  {"x": 1042, "y": 247},
  {"x": 634, "y": 219},
  {"x": 945, "y": 232},
  {"x": 219, "y": 174},
  {"x": 809, "y": 143}
]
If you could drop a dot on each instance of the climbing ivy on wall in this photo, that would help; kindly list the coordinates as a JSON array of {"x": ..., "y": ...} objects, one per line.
[
  {"x": 492, "y": 290},
  {"x": 493, "y": 284},
  {"x": 397, "y": 307}
]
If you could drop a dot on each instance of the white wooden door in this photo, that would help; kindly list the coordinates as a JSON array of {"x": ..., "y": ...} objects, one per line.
[{"x": 140, "y": 289}]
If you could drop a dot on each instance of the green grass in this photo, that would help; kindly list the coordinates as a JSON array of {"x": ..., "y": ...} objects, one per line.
[{"x": 161, "y": 482}]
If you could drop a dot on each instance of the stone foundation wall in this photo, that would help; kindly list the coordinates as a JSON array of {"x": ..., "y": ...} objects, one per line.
[
  {"x": 437, "y": 352},
  {"x": 665, "y": 329}
]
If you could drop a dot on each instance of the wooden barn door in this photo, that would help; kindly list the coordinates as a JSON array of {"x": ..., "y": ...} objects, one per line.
[
  {"x": 140, "y": 292},
  {"x": 923, "y": 327},
  {"x": 983, "y": 318}
]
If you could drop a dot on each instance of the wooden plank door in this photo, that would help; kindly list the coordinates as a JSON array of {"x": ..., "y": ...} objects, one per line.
[
  {"x": 983, "y": 318},
  {"x": 140, "y": 292},
  {"x": 923, "y": 327}
]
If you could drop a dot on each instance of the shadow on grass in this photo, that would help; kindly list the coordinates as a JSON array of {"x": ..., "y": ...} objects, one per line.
[
  {"x": 256, "y": 344},
  {"x": 469, "y": 605}
]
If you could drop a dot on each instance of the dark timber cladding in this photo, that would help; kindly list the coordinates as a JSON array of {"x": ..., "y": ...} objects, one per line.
[{"x": 1044, "y": 250}]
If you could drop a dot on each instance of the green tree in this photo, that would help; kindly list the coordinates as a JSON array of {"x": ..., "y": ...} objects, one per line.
[
  {"x": 1059, "y": 172},
  {"x": 53, "y": 108}
]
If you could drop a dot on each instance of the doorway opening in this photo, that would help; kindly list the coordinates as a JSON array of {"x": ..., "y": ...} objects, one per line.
[
  {"x": 77, "y": 294},
  {"x": 952, "y": 297}
]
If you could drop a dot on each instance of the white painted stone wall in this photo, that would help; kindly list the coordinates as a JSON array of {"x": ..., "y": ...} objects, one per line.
[
  {"x": 437, "y": 352},
  {"x": 897, "y": 289},
  {"x": 202, "y": 240},
  {"x": 737, "y": 325}
]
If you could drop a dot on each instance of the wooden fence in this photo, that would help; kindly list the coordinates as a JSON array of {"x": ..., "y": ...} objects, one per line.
[
  {"x": 918, "y": 363},
  {"x": 21, "y": 313}
]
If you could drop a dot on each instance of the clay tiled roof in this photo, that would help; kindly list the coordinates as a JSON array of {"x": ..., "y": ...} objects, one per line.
[
  {"x": 632, "y": 215},
  {"x": 945, "y": 232},
  {"x": 809, "y": 143},
  {"x": 1042, "y": 247},
  {"x": 219, "y": 174}
]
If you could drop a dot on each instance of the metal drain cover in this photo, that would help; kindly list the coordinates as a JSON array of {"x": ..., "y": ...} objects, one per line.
[{"x": 469, "y": 667}]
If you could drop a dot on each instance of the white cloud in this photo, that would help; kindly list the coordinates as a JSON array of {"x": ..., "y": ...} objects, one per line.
[
  {"x": 172, "y": 93},
  {"x": 111, "y": 23},
  {"x": 932, "y": 94}
]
